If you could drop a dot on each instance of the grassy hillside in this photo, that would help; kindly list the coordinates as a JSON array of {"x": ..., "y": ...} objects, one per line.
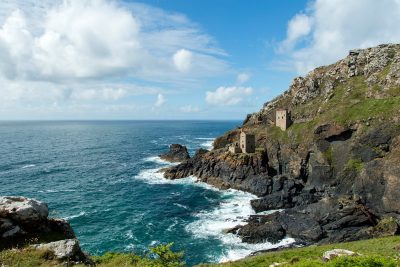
[{"x": 375, "y": 252}]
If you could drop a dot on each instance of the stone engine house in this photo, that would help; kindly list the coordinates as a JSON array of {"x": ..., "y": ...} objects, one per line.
[
  {"x": 282, "y": 119},
  {"x": 247, "y": 142}
]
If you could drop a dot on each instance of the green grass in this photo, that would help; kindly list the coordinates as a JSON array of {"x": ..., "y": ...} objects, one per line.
[
  {"x": 26, "y": 258},
  {"x": 160, "y": 256},
  {"x": 355, "y": 164},
  {"x": 328, "y": 155},
  {"x": 375, "y": 252}
]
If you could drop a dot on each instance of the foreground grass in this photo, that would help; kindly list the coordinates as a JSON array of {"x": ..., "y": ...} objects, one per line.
[
  {"x": 160, "y": 256},
  {"x": 383, "y": 252},
  {"x": 375, "y": 252}
]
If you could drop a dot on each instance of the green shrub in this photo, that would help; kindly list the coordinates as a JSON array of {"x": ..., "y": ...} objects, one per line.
[
  {"x": 160, "y": 256},
  {"x": 355, "y": 164},
  {"x": 165, "y": 257}
]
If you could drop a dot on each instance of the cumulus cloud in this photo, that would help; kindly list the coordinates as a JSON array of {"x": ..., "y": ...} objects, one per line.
[
  {"x": 80, "y": 39},
  {"x": 228, "y": 95},
  {"x": 298, "y": 27},
  {"x": 242, "y": 77},
  {"x": 190, "y": 109},
  {"x": 104, "y": 94},
  {"x": 160, "y": 100},
  {"x": 328, "y": 29},
  {"x": 183, "y": 60},
  {"x": 84, "y": 52}
]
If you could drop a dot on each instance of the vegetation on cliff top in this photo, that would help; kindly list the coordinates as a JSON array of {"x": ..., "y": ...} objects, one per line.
[
  {"x": 332, "y": 94},
  {"x": 160, "y": 256},
  {"x": 374, "y": 252}
]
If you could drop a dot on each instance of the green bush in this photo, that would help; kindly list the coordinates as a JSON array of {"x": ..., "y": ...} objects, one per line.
[
  {"x": 160, "y": 256},
  {"x": 355, "y": 164}
]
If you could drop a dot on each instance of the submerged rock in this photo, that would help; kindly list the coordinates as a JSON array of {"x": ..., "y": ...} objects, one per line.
[{"x": 176, "y": 153}]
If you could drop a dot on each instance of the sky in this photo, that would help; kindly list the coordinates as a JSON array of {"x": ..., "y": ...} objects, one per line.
[{"x": 172, "y": 59}]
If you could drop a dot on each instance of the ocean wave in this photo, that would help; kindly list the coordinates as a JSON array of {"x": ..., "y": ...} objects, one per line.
[
  {"x": 181, "y": 206},
  {"x": 154, "y": 176},
  {"x": 56, "y": 191},
  {"x": 172, "y": 225},
  {"x": 28, "y": 166},
  {"x": 158, "y": 160},
  {"x": 207, "y": 142},
  {"x": 80, "y": 214},
  {"x": 207, "y": 145},
  {"x": 232, "y": 212}
]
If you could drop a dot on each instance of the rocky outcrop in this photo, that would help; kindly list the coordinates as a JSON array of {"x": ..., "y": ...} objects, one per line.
[
  {"x": 65, "y": 250},
  {"x": 176, "y": 153},
  {"x": 335, "y": 171},
  {"x": 24, "y": 219},
  {"x": 334, "y": 253}
]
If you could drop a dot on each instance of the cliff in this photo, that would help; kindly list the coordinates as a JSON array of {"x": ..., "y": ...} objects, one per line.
[{"x": 335, "y": 170}]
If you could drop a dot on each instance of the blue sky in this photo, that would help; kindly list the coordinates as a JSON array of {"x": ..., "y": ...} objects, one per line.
[{"x": 175, "y": 59}]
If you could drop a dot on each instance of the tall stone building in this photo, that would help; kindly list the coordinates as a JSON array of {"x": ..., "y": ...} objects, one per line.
[
  {"x": 282, "y": 119},
  {"x": 247, "y": 142}
]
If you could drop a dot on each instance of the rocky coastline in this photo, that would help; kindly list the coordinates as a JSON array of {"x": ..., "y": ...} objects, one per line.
[
  {"x": 335, "y": 170},
  {"x": 24, "y": 222}
]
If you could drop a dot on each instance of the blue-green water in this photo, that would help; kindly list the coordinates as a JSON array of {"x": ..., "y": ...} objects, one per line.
[{"x": 102, "y": 177}]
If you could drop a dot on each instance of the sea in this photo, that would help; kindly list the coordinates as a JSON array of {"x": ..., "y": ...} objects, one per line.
[{"x": 103, "y": 177}]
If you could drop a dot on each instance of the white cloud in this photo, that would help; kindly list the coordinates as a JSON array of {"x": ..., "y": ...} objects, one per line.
[
  {"x": 242, "y": 77},
  {"x": 298, "y": 27},
  {"x": 330, "y": 28},
  {"x": 160, "y": 100},
  {"x": 183, "y": 60},
  {"x": 228, "y": 95},
  {"x": 189, "y": 109},
  {"x": 77, "y": 53},
  {"x": 80, "y": 39},
  {"x": 105, "y": 94}
]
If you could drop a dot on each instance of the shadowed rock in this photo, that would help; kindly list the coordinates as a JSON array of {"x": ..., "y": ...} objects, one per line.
[{"x": 176, "y": 153}]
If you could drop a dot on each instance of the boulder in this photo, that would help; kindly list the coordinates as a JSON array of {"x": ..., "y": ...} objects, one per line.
[
  {"x": 67, "y": 249},
  {"x": 331, "y": 254},
  {"x": 22, "y": 209},
  {"x": 24, "y": 219},
  {"x": 261, "y": 229},
  {"x": 176, "y": 153}
]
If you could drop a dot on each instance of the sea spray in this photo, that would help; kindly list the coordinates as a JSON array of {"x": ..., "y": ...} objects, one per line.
[{"x": 234, "y": 208}]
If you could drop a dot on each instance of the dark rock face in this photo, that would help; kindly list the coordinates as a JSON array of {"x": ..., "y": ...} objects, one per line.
[
  {"x": 336, "y": 192},
  {"x": 23, "y": 219},
  {"x": 176, "y": 153},
  {"x": 335, "y": 171}
]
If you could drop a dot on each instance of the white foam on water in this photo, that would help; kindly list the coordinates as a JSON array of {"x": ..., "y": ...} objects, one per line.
[
  {"x": 154, "y": 176},
  {"x": 157, "y": 160},
  {"x": 181, "y": 206},
  {"x": 28, "y": 166},
  {"x": 56, "y": 191},
  {"x": 233, "y": 211},
  {"x": 80, "y": 214},
  {"x": 208, "y": 144},
  {"x": 230, "y": 213}
]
